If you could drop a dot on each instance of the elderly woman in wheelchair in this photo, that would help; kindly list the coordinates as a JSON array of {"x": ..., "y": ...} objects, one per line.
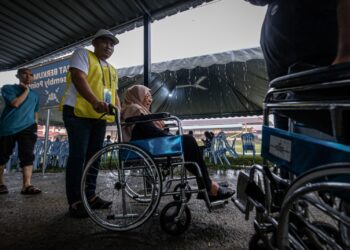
[
  {"x": 310, "y": 208},
  {"x": 137, "y": 101},
  {"x": 143, "y": 166}
]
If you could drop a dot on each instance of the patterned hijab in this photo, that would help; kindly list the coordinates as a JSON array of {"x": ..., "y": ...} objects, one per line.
[{"x": 133, "y": 105}]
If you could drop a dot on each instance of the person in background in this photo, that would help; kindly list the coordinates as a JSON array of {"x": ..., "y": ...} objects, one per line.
[
  {"x": 18, "y": 124},
  {"x": 137, "y": 101},
  {"x": 190, "y": 133},
  {"x": 107, "y": 141},
  {"x": 91, "y": 87},
  {"x": 207, "y": 141}
]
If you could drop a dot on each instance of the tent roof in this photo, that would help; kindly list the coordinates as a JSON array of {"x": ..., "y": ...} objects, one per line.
[
  {"x": 203, "y": 61},
  {"x": 35, "y": 30},
  {"x": 231, "y": 83}
]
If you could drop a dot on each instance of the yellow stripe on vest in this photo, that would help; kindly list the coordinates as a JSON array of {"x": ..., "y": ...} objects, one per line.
[{"x": 82, "y": 107}]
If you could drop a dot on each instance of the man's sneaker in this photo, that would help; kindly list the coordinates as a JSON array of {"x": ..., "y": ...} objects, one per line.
[
  {"x": 3, "y": 189},
  {"x": 78, "y": 211},
  {"x": 98, "y": 203}
]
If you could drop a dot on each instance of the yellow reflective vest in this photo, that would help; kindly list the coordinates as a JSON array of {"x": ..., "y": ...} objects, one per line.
[{"x": 82, "y": 107}]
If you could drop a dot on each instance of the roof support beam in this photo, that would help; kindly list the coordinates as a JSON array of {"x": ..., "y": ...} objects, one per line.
[{"x": 146, "y": 50}]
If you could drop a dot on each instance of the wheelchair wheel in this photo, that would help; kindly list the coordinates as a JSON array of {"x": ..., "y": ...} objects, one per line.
[
  {"x": 310, "y": 217},
  {"x": 169, "y": 221},
  {"x": 188, "y": 194},
  {"x": 141, "y": 193},
  {"x": 344, "y": 207},
  {"x": 111, "y": 174}
]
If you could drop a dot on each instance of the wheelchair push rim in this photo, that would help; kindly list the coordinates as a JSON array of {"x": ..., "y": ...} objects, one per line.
[{"x": 114, "y": 181}]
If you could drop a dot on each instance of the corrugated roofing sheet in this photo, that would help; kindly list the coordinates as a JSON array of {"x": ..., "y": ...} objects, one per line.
[{"x": 32, "y": 30}]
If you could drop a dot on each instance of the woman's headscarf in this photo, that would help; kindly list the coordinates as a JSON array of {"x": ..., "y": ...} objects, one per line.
[{"x": 133, "y": 106}]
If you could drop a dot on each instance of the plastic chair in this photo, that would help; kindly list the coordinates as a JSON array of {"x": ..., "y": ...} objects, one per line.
[
  {"x": 38, "y": 152},
  {"x": 13, "y": 160},
  {"x": 211, "y": 151},
  {"x": 248, "y": 143},
  {"x": 63, "y": 154},
  {"x": 53, "y": 153}
]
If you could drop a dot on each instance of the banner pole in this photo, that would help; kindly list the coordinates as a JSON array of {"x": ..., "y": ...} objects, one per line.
[{"x": 47, "y": 128}]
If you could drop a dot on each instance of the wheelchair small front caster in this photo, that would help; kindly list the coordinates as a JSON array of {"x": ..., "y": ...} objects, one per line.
[
  {"x": 169, "y": 221},
  {"x": 256, "y": 243},
  {"x": 188, "y": 194}
]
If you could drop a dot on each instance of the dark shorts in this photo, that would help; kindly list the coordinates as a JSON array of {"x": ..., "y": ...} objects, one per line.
[{"x": 25, "y": 139}]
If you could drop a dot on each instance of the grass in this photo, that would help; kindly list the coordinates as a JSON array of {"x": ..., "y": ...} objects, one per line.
[
  {"x": 50, "y": 169},
  {"x": 238, "y": 163}
]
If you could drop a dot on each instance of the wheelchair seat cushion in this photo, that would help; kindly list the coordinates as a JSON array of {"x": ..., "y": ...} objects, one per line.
[
  {"x": 161, "y": 146},
  {"x": 322, "y": 74}
]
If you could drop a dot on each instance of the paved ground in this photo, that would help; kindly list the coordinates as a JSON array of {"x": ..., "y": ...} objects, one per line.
[{"x": 42, "y": 222}]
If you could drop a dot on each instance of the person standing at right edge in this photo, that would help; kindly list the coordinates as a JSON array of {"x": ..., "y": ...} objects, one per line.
[
  {"x": 92, "y": 87},
  {"x": 304, "y": 32}
]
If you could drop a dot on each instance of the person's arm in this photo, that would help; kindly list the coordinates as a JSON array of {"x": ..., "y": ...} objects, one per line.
[
  {"x": 117, "y": 100},
  {"x": 82, "y": 86},
  {"x": 343, "y": 10},
  {"x": 146, "y": 130},
  {"x": 15, "y": 103},
  {"x": 36, "y": 117}
]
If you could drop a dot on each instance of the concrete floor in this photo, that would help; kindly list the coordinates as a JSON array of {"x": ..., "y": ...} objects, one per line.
[{"x": 42, "y": 222}]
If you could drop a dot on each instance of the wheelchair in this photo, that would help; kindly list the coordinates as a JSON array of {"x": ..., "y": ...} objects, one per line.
[
  {"x": 135, "y": 175},
  {"x": 301, "y": 193}
]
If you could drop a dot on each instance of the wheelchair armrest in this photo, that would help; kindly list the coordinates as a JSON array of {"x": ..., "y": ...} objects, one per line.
[
  {"x": 322, "y": 74},
  {"x": 145, "y": 118}
]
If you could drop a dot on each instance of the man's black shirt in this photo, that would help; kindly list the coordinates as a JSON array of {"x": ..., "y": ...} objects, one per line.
[{"x": 297, "y": 31}]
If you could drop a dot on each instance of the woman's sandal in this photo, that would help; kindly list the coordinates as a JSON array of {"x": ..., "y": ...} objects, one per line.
[
  {"x": 31, "y": 190},
  {"x": 223, "y": 194}
]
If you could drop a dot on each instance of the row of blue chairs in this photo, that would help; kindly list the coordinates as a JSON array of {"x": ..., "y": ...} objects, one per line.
[
  {"x": 57, "y": 155},
  {"x": 220, "y": 148}
]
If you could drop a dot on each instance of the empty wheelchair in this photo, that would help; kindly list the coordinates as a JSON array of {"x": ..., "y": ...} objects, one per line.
[
  {"x": 135, "y": 175},
  {"x": 301, "y": 194}
]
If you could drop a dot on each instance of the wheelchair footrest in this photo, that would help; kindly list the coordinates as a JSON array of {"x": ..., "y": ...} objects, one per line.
[
  {"x": 241, "y": 197},
  {"x": 263, "y": 228},
  {"x": 121, "y": 216},
  {"x": 218, "y": 204},
  {"x": 239, "y": 205}
]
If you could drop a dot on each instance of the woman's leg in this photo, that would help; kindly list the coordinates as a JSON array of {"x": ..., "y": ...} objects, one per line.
[{"x": 192, "y": 153}]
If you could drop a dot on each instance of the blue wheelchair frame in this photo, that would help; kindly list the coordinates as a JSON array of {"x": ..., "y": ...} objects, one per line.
[
  {"x": 314, "y": 165},
  {"x": 153, "y": 162}
]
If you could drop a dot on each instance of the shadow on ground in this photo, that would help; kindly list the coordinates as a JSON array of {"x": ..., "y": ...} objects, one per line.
[{"x": 42, "y": 222}]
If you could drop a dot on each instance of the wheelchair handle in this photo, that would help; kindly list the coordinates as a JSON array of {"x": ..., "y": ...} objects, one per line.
[{"x": 112, "y": 110}]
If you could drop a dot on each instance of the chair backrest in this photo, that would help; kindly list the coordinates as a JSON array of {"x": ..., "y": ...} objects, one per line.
[
  {"x": 64, "y": 149},
  {"x": 248, "y": 141},
  {"x": 39, "y": 147},
  {"x": 54, "y": 148}
]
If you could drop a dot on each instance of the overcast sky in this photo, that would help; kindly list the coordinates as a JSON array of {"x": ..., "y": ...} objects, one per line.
[{"x": 211, "y": 28}]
